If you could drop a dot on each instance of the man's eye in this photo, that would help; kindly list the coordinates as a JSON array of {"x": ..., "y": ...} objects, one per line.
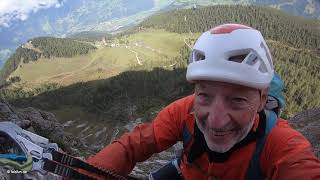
[
  {"x": 202, "y": 97},
  {"x": 239, "y": 103},
  {"x": 239, "y": 100}
]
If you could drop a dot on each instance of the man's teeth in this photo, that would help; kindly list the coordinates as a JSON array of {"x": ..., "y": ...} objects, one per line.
[{"x": 215, "y": 133}]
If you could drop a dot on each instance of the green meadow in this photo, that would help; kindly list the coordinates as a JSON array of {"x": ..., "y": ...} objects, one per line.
[{"x": 119, "y": 54}]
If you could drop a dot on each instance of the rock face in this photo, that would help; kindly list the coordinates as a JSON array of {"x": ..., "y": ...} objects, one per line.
[
  {"x": 308, "y": 123},
  {"x": 7, "y": 113},
  {"x": 42, "y": 123}
]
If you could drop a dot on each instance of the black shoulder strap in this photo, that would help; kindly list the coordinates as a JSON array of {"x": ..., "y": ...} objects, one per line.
[
  {"x": 65, "y": 165},
  {"x": 254, "y": 171}
]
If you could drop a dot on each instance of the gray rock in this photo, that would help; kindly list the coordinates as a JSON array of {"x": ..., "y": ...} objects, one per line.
[
  {"x": 7, "y": 113},
  {"x": 44, "y": 123},
  {"x": 308, "y": 123}
]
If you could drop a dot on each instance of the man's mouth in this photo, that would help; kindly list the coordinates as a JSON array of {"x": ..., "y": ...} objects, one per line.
[{"x": 221, "y": 133}]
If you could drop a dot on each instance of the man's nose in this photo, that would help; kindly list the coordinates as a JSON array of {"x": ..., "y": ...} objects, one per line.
[{"x": 218, "y": 114}]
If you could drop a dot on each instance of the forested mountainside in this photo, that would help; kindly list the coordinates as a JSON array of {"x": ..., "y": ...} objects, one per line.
[
  {"x": 274, "y": 24},
  {"x": 307, "y": 8}
]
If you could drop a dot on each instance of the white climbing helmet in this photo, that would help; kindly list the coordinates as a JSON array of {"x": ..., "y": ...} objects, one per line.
[{"x": 231, "y": 53}]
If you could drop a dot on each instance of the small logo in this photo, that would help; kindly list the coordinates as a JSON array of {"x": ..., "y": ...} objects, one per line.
[{"x": 16, "y": 172}]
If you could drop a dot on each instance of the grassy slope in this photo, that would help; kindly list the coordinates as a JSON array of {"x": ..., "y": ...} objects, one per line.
[{"x": 152, "y": 45}]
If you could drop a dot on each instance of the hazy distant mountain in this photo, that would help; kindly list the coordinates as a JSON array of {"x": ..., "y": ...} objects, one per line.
[
  {"x": 4, "y": 54},
  {"x": 72, "y": 17}
]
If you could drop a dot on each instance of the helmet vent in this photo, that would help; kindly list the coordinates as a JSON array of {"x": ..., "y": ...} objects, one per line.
[
  {"x": 198, "y": 56},
  {"x": 267, "y": 53},
  {"x": 263, "y": 68},
  {"x": 254, "y": 60},
  {"x": 238, "y": 58}
]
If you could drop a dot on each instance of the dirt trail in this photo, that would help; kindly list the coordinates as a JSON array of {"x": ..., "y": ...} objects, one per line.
[{"x": 136, "y": 54}]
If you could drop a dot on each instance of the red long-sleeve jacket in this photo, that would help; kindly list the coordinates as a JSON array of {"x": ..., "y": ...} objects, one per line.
[{"x": 286, "y": 154}]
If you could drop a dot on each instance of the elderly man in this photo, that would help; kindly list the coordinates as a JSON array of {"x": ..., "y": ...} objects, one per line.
[{"x": 225, "y": 132}]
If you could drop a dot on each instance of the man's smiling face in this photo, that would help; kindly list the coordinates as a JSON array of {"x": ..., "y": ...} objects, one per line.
[{"x": 225, "y": 112}]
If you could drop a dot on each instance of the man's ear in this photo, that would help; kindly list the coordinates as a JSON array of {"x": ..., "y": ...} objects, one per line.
[{"x": 263, "y": 98}]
